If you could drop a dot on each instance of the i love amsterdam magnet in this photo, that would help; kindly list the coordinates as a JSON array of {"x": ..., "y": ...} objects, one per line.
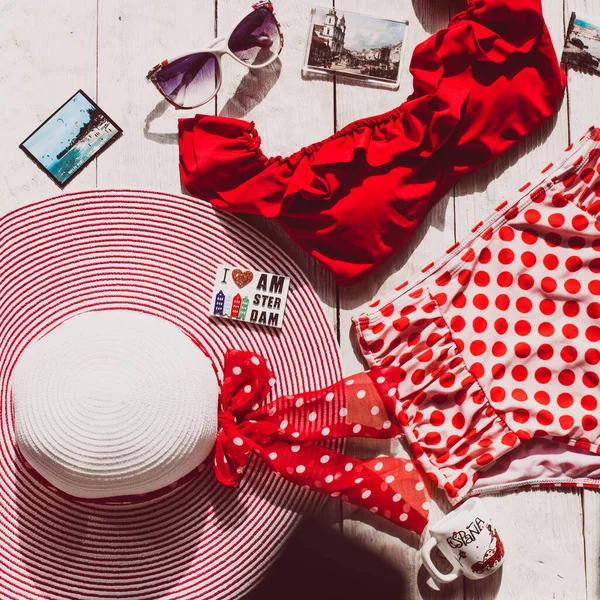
[{"x": 251, "y": 296}]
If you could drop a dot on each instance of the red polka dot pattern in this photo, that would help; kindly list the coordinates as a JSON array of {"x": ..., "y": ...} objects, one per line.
[{"x": 514, "y": 330}]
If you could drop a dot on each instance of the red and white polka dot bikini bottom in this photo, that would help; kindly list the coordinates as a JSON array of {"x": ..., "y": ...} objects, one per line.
[{"x": 492, "y": 354}]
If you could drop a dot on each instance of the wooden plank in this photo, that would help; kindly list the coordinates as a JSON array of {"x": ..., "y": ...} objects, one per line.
[
  {"x": 548, "y": 565},
  {"x": 289, "y": 112},
  {"x": 541, "y": 531},
  {"x": 436, "y": 233},
  {"x": 591, "y": 535},
  {"x": 584, "y": 111},
  {"x": 131, "y": 41},
  {"x": 43, "y": 67}
]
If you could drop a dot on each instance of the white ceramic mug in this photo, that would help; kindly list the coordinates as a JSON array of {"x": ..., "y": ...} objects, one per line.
[{"x": 468, "y": 539}]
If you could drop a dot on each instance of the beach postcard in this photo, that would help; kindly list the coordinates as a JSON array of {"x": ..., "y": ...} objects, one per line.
[
  {"x": 582, "y": 46},
  {"x": 70, "y": 138}
]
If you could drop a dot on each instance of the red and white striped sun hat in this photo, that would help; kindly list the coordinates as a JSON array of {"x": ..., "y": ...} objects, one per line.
[{"x": 133, "y": 272}]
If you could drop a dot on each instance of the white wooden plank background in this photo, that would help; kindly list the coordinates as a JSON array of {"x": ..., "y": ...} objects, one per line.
[{"x": 50, "y": 49}]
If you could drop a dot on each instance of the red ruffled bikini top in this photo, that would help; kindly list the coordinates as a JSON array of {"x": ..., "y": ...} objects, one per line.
[{"x": 480, "y": 85}]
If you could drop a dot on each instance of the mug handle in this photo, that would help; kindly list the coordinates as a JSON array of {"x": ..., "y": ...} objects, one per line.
[{"x": 426, "y": 556}]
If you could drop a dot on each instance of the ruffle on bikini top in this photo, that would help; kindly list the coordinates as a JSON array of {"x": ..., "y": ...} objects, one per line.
[{"x": 480, "y": 85}]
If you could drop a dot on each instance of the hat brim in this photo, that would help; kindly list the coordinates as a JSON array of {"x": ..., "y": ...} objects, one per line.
[{"x": 156, "y": 253}]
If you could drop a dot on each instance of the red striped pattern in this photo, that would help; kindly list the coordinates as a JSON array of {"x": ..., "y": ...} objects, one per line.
[{"x": 155, "y": 253}]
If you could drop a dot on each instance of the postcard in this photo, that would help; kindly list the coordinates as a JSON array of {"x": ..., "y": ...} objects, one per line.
[
  {"x": 70, "y": 138},
  {"x": 582, "y": 46},
  {"x": 356, "y": 45},
  {"x": 251, "y": 296}
]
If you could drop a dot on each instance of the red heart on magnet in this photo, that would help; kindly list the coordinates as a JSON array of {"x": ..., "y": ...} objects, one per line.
[{"x": 241, "y": 278}]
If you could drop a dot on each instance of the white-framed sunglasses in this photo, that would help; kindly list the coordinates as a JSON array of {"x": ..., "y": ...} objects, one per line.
[{"x": 194, "y": 79}]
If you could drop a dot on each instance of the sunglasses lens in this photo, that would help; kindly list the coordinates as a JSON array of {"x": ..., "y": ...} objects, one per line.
[
  {"x": 256, "y": 40},
  {"x": 189, "y": 81}
]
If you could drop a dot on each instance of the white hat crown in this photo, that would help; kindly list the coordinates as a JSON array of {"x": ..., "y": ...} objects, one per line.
[{"x": 114, "y": 403}]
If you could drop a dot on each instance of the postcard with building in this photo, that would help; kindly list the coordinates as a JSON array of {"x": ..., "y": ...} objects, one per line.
[{"x": 356, "y": 45}]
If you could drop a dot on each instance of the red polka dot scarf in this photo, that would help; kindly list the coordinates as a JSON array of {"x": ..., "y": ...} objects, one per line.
[{"x": 289, "y": 432}]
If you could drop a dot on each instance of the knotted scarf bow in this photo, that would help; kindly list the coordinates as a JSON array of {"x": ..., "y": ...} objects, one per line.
[{"x": 288, "y": 434}]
